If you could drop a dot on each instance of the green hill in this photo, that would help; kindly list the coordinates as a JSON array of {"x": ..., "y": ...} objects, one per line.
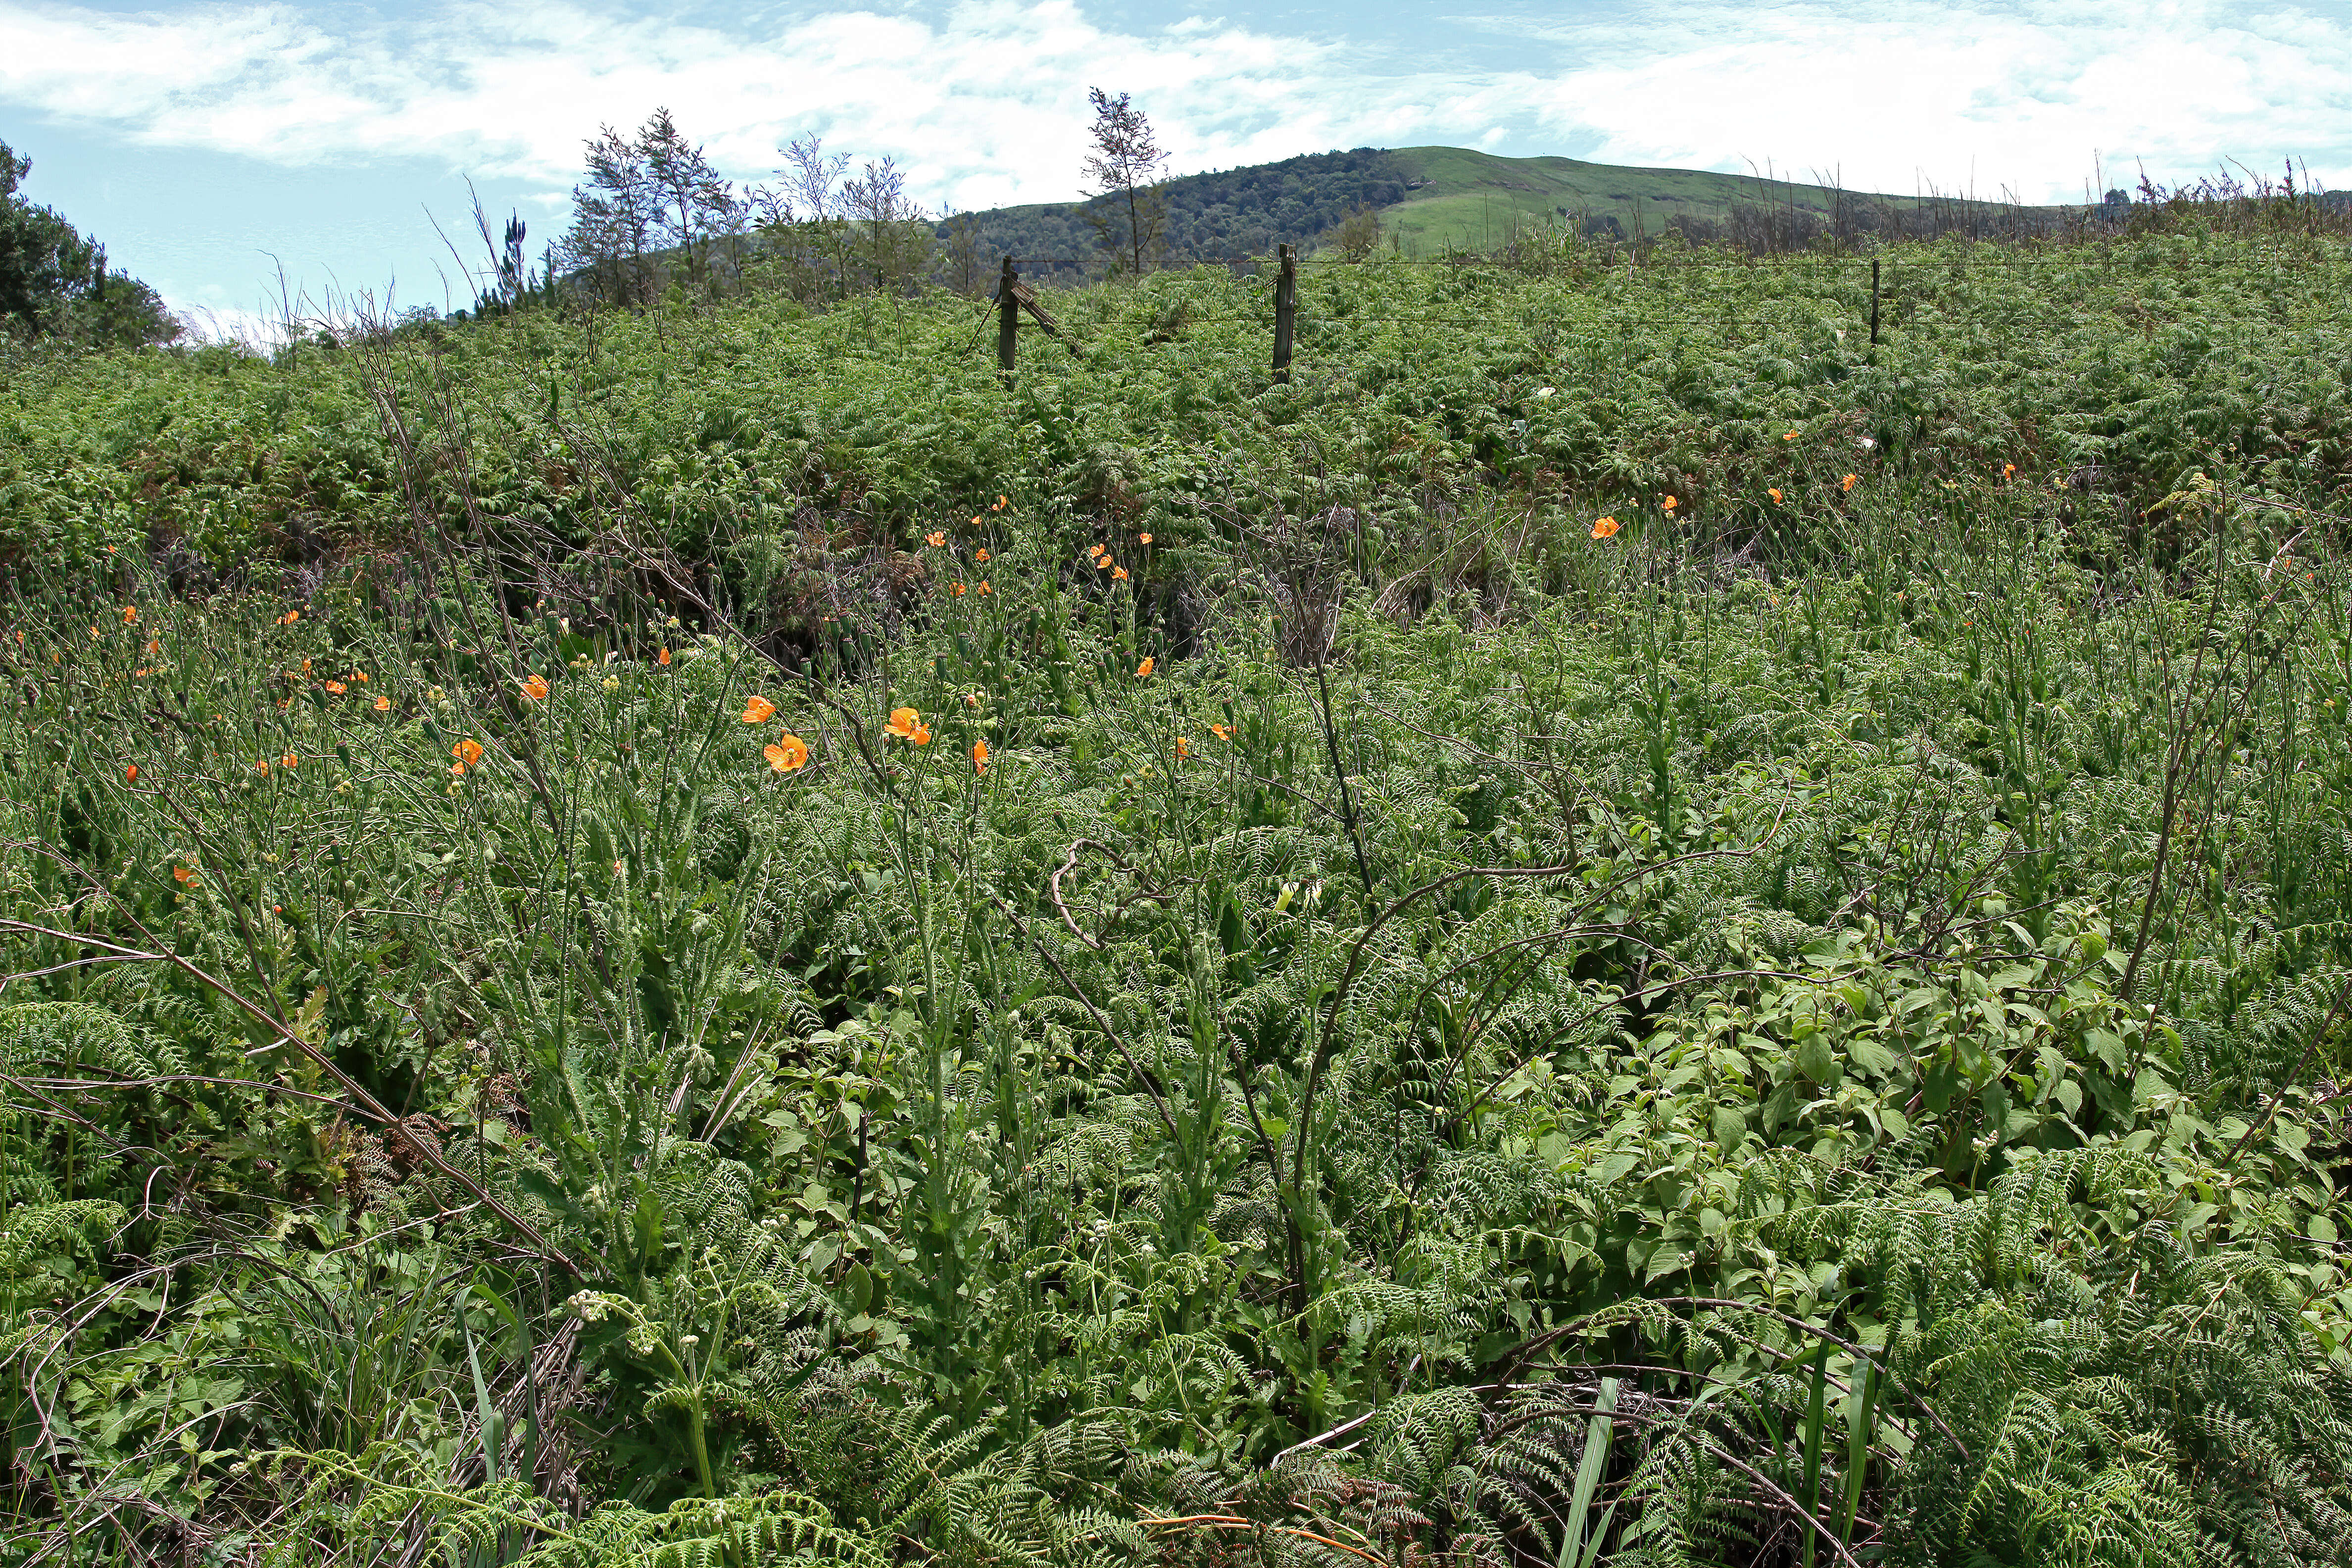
[{"x": 1431, "y": 199}]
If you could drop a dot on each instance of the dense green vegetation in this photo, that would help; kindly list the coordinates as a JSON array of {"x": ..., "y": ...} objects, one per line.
[
  {"x": 54, "y": 282},
  {"x": 1616, "y": 928}
]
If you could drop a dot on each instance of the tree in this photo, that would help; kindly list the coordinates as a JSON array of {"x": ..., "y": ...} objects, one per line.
[
  {"x": 612, "y": 218},
  {"x": 897, "y": 240},
  {"x": 1127, "y": 163},
  {"x": 55, "y": 281},
  {"x": 646, "y": 196},
  {"x": 692, "y": 202}
]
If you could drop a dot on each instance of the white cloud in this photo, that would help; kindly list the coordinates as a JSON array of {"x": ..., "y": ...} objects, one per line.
[{"x": 986, "y": 102}]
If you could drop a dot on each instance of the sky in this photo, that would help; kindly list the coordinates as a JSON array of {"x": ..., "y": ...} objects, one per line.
[{"x": 237, "y": 155}]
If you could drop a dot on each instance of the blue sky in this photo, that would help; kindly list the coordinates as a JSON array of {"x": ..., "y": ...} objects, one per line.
[{"x": 211, "y": 143}]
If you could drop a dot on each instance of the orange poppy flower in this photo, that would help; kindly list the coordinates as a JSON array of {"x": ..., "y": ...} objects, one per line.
[
  {"x": 903, "y": 722},
  {"x": 468, "y": 753},
  {"x": 983, "y": 586},
  {"x": 1604, "y": 528},
  {"x": 290, "y": 617},
  {"x": 1102, "y": 562},
  {"x": 1848, "y": 483},
  {"x": 1222, "y": 732},
  {"x": 1775, "y": 495},
  {"x": 183, "y": 875},
  {"x": 262, "y": 766},
  {"x": 535, "y": 688},
  {"x": 980, "y": 555},
  {"x": 955, "y": 590},
  {"x": 2007, "y": 471},
  {"x": 1670, "y": 503},
  {"x": 359, "y": 676},
  {"x": 1143, "y": 671},
  {"x": 289, "y": 761},
  {"x": 383, "y": 704},
  {"x": 336, "y": 688},
  {"x": 936, "y": 539},
  {"x": 130, "y": 773},
  {"x": 980, "y": 756},
  {"x": 1143, "y": 538},
  {"x": 789, "y": 753},
  {"x": 662, "y": 658},
  {"x": 1094, "y": 550},
  {"x": 130, "y": 615},
  {"x": 1789, "y": 437},
  {"x": 1119, "y": 573},
  {"x": 1183, "y": 748},
  {"x": 1001, "y": 503},
  {"x": 758, "y": 709}
]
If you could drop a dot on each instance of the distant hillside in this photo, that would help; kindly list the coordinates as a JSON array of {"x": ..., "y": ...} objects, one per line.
[
  {"x": 1431, "y": 199},
  {"x": 1231, "y": 212}
]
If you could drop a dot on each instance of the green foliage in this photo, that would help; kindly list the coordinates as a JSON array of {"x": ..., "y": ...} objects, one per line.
[
  {"x": 768, "y": 949},
  {"x": 54, "y": 280}
]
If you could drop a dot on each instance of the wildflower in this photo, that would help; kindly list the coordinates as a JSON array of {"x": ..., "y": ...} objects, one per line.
[
  {"x": 289, "y": 761},
  {"x": 1775, "y": 495},
  {"x": 1789, "y": 437},
  {"x": 436, "y": 694},
  {"x": 956, "y": 590},
  {"x": 1183, "y": 747},
  {"x": 1143, "y": 538},
  {"x": 1848, "y": 483},
  {"x": 155, "y": 646},
  {"x": 130, "y": 773},
  {"x": 336, "y": 688},
  {"x": 936, "y": 539},
  {"x": 1604, "y": 528},
  {"x": 980, "y": 756},
  {"x": 975, "y": 522},
  {"x": 383, "y": 704},
  {"x": 183, "y": 875},
  {"x": 788, "y": 754},
  {"x": 983, "y": 586},
  {"x": 1119, "y": 573},
  {"x": 262, "y": 766},
  {"x": 468, "y": 753},
  {"x": 611, "y": 683},
  {"x": 306, "y": 667},
  {"x": 535, "y": 688},
  {"x": 980, "y": 555},
  {"x": 1102, "y": 563},
  {"x": 971, "y": 698},
  {"x": 1092, "y": 551},
  {"x": 903, "y": 722},
  {"x": 662, "y": 658},
  {"x": 130, "y": 615},
  {"x": 758, "y": 709},
  {"x": 1222, "y": 732},
  {"x": 1670, "y": 503},
  {"x": 1143, "y": 670},
  {"x": 2007, "y": 471},
  {"x": 1000, "y": 503}
]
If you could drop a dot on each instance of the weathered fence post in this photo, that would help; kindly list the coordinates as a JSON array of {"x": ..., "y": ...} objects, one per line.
[
  {"x": 1873, "y": 304},
  {"x": 1285, "y": 312},
  {"x": 1008, "y": 319}
]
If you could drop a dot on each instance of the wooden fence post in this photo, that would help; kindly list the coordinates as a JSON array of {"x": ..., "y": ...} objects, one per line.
[
  {"x": 1008, "y": 319},
  {"x": 1285, "y": 312},
  {"x": 1873, "y": 304}
]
